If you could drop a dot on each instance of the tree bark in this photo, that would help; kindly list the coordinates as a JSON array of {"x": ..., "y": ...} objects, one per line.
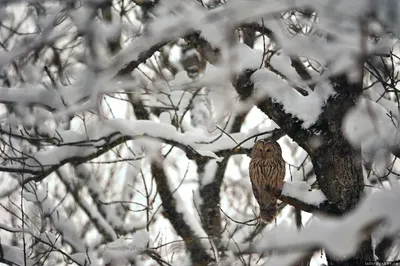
[
  {"x": 198, "y": 253},
  {"x": 337, "y": 164}
]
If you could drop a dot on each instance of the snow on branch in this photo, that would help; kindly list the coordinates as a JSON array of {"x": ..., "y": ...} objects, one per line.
[
  {"x": 75, "y": 148},
  {"x": 340, "y": 237},
  {"x": 51, "y": 100},
  {"x": 307, "y": 108},
  {"x": 179, "y": 217},
  {"x": 302, "y": 191},
  {"x": 12, "y": 255},
  {"x": 370, "y": 126},
  {"x": 101, "y": 223},
  {"x": 300, "y": 195}
]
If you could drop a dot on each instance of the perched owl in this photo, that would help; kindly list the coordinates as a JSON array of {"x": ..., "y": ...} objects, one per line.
[{"x": 267, "y": 168}]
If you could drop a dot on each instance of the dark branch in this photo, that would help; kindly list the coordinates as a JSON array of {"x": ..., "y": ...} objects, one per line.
[
  {"x": 198, "y": 252},
  {"x": 324, "y": 207},
  {"x": 297, "y": 64},
  {"x": 141, "y": 58}
]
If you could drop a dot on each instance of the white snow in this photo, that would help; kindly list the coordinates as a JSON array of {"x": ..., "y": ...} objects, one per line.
[
  {"x": 307, "y": 108},
  {"x": 282, "y": 63},
  {"x": 15, "y": 255},
  {"x": 31, "y": 94},
  {"x": 62, "y": 224},
  {"x": 210, "y": 154},
  {"x": 32, "y": 197},
  {"x": 209, "y": 173},
  {"x": 249, "y": 58},
  {"x": 165, "y": 118},
  {"x": 122, "y": 250},
  {"x": 168, "y": 132},
  {"x": 82, "y": 258},
  {"x": 83, "y": 88},
  {"x": 340, "y": 237},
  {"x": 302, "y": 191},
  {"x": 367, "y": 125}
]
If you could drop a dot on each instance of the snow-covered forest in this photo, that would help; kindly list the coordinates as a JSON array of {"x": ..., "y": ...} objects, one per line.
[{"x": 126, "y": 128}]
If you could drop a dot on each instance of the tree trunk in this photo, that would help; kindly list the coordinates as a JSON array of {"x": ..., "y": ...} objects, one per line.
[
  {"x": 338, "y": 169},
  {"x": 336, "y": 163}
]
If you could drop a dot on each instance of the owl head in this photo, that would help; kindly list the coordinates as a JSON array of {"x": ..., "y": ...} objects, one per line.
[{"x": 264, "y": 149}]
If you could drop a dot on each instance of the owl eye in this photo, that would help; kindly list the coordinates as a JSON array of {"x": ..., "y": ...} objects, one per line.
[{"x": 268, "y": 149}]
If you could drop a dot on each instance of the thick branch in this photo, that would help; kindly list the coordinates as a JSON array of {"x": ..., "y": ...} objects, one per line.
[
  {"x": 356, "y": 227},
  {"x": 210, "y": 192},
  {"x": 291, "y": 125},
  {"x": 198, "y": 253},
  {"x": 283, "y": 194},
  {"x": 86, "y": 150}
]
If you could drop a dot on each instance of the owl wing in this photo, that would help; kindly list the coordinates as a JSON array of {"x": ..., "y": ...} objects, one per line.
[
  {"x": 267, "y": 202},
  {"x": 256, "y": 193}
]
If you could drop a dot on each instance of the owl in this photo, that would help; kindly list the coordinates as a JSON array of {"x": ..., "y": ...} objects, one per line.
[{"x": 267, "y": 168}]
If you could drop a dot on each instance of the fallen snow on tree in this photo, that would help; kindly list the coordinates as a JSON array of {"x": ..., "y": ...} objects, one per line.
[
  {"x": 61, "y": 222},
  {"x": 208, "y": 175},
  {"x": 302, "y": 191},
  {"x": 15, "y": 255},
  {"x": 123, "y": 251},
  {"x": 340, "y": 237},
  {"x": 306, "y": 108},
  {"x": 192, "y": 219},
  {"x": 249, "y": 58},
  {"x": 369, "y": 126}
]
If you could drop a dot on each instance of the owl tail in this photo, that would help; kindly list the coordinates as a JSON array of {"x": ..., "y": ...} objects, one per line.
[{"x": 269, "y": 209}]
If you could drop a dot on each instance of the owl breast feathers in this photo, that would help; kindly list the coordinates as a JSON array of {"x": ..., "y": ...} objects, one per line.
[{"x": 267, "y": 169}]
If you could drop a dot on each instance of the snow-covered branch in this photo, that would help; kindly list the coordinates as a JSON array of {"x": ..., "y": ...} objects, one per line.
[
  {"x": 340, "y": 237},
  {"x": 75, "y": 148},
  {"x": 175, "y": 211},
  {"x": 300, "y": 195}
]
